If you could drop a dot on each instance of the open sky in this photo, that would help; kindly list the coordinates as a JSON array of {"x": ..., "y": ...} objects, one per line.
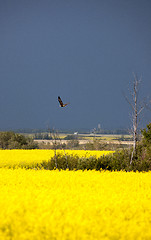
[{"x": 83, "y": 50}]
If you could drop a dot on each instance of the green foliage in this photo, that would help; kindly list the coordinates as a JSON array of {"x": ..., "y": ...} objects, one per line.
[
  {"x": 97, "y": 144},
  {"x": 45, "y": 136},
  {"x": 113, "y": 162},
  {"x": 11, "y": 140},
  {"x": 147, "y": 135},
  {"x": 143, "y": 150},
  {"x": 73, "y": 144}
]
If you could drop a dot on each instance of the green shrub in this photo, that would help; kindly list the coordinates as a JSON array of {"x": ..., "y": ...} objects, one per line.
[{"x": 120, "y": 160}]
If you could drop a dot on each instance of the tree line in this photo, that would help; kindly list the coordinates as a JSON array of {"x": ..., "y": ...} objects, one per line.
[{"x": 11, "y": 140}]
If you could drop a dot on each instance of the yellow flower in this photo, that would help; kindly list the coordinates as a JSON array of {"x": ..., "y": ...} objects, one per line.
[
  {"x": 27, "y": 158},
  {"x": 74, "y": 205}
]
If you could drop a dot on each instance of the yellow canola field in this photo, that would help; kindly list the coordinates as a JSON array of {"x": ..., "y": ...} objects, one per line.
[
  {"x": 74, "y": 205},
  {"x": 10, "y": 158}
]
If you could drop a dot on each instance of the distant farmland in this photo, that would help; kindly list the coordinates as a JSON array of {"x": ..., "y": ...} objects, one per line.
[{"x": 89, "y": 138}]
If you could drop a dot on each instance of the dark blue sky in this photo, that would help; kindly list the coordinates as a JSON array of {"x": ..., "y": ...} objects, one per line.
[{"x": 83, "y": 50}]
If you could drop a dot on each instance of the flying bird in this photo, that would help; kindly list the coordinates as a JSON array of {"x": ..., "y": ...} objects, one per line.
[{"x": 61, "y": 103}]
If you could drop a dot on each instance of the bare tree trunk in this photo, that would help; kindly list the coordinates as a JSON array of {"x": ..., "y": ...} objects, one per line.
[
  {"x": 66, "y": 159},
  {"x": 135, "y": 120},
  {"x": 67, "y": 167},
  {"x": 136, "y": 110},
  {"x": 54, "y": 137}
]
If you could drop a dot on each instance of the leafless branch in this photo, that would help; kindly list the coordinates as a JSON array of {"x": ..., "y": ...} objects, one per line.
[
  {"x": 128, "y": 100},
  {"x": 136, "y": 110},
  {"x": 142, "y": 108}
]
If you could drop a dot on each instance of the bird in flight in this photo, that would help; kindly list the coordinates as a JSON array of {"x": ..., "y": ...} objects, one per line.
[{"x": 61, "y": 103}]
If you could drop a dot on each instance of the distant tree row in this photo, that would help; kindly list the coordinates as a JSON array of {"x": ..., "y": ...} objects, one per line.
[
  {"x": 70, "y": 131},
  {"x": 43, "y": 136},
  {"x": 11, "y": 140}
]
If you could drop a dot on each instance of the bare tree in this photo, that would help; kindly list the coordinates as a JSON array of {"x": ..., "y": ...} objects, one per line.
[
  {"x": 56, "y": 138},
  {"x": 137, "y": 107},
  {"x": 64, "y": 153}
]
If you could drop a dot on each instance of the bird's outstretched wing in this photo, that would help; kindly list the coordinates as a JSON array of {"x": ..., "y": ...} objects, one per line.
[
  {"x": 61, "y": 103},
  {"x": 65, "y": 104}
]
